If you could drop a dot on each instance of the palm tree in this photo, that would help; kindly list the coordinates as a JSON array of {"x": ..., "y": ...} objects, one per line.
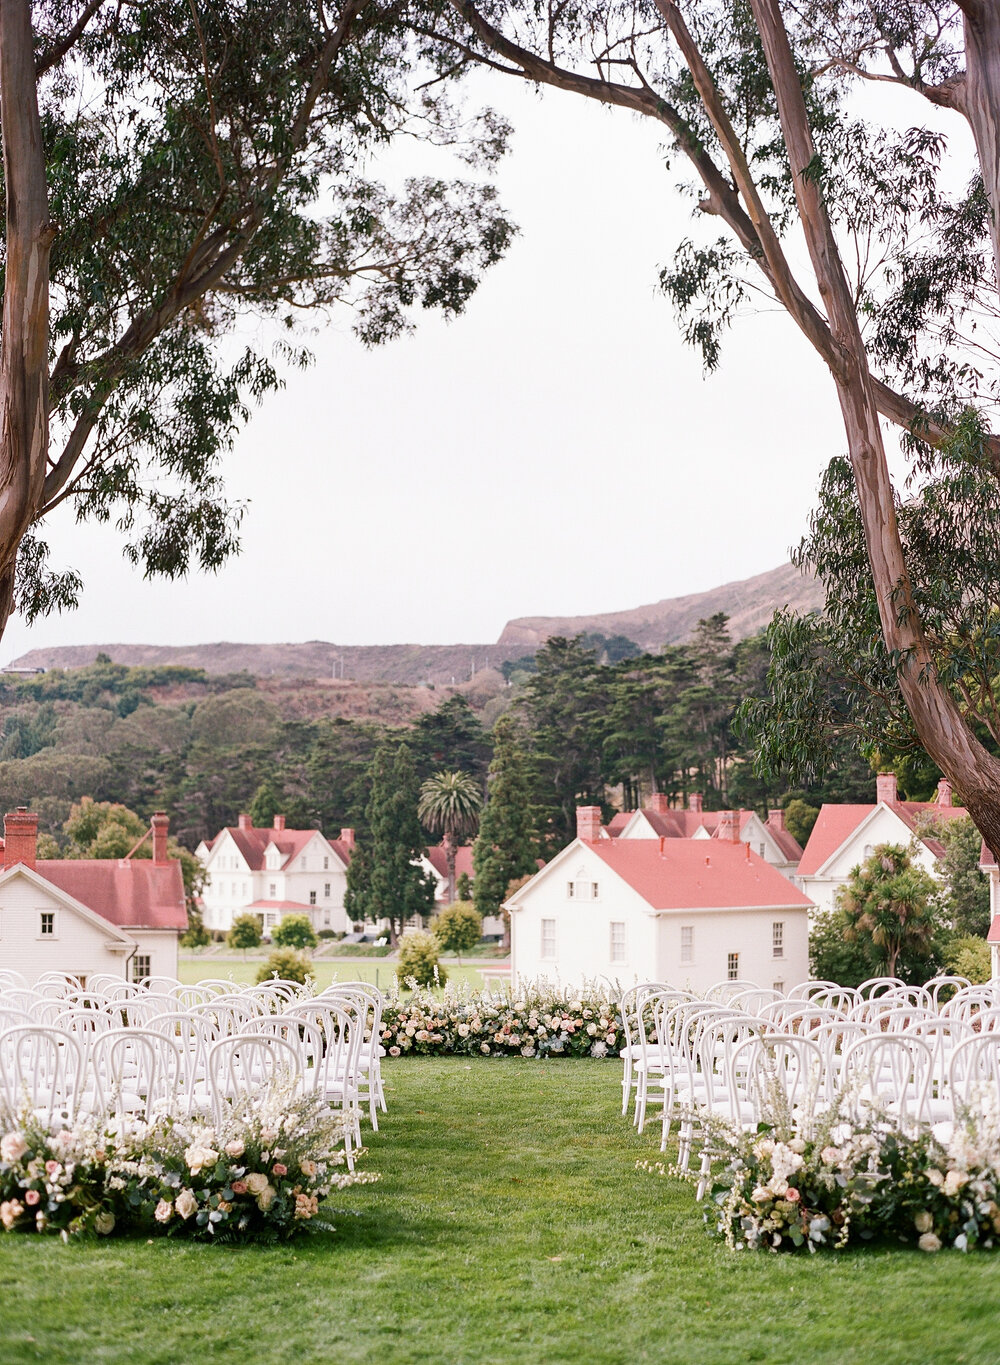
[{"x": 449, "y": 805}]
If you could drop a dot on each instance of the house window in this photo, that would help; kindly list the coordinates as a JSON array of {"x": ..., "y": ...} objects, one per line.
[
  {"x": 326, "y": 890},
  {"x": 760, "y": 849},
  {"x": 569, "y": 890},
  {"x": 687, "y": 942},
  {"x": 778, "y": 938},
  {"x": 617, "y": 940},
  {"x": 142, "y": 967},
  {"x": 48, "y": 924},
  {"x": 272, "y": 890},
  {"x": 733, "y": 966},
  {"x": 585, "y": 891},
  {"x": 302, "y": 864},
  {"x": 548, "y": 938},
  {"x": 312, "y": 897},
  {"x": 326, "y": 864}
]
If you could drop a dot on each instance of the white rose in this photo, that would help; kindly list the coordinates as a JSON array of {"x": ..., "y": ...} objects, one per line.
[
  {"x": 953, "y": 1182},
  {"x": 266, "y": 1197},
  {"x": 164, "y": 1211},
  {"x": 761, "y": 1194},
  {"x": 831, "y": 1156},
  {"x": 104, "y": 1224},
  {"x": 924, "y": 1221},
  {"x": 943, "y": 1132},
  {"x": 797, "y": 1145},
  {"x": 235, "y": 1148},
  {"x": 198, "y": 1158},
  {"x": 929, "y": 1242},
  {"x": 185, "y": 1204},
  {"x": 256, "y": 1182},
  {"x": 12, "y": 1147}
]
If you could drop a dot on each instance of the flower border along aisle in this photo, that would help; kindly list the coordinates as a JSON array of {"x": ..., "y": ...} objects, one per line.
[
  {"x": 259, "y": 1178},
  {"x": 536, "y": 1019},
  {"x": 788, "y": 1187}
]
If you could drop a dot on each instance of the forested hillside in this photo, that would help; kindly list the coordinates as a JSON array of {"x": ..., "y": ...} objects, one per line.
[{"x": 594, "y": 726}]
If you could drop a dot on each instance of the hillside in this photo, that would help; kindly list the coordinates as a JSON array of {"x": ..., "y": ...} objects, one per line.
[{"x": 749, "y": 603}]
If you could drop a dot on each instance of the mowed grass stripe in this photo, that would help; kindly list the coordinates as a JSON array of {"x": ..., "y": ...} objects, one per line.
[{"x": 510, "y": 1226}]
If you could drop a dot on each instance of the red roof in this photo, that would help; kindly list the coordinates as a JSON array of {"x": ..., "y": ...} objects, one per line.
[
  {"x": 253, "y": 844},
  {"x": 836, "y": 824},
  {"x": 690, "y": 874},
  {"x": 617, "y": 823},
  {"x": 133, "y": 894},
  {"x": 994, "y": 935},
  {"x": 279, "y": 905},
  {"x": 463, "y": 860}
]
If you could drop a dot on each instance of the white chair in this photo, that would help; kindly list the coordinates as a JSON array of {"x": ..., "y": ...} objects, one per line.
[
  {"x": 135, "y": 1073},
  {"x": 890, "y": 1072},
  {"x": 43, "y": 1068},
  {"x": 974, "y": 1072},
  {"x": 337, "y": 1077},
  {"x": 243, "y": 1066}
]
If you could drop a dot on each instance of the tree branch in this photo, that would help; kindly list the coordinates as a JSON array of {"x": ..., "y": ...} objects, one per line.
[{"x": 53, "y": 55}]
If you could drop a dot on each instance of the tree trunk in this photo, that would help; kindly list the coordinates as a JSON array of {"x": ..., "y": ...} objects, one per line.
[
  {"x": 939, "y": 724},
  {"x": 450, "y": 857},
  {"x": 981, "y": 101},
  {"x": 24, "y": 375}
]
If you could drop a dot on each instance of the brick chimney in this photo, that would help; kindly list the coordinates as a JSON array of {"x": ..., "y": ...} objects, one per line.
[
  {"x": 776, "y": 819},
  {"x": 279, "y": 822},
  {"x": 657, "y": 803},
  {"x": 588, "y": 823},
  {"x": 885, "y": 788},
  {"x": 347, "y": 838},
  {"x": 695, "y": 801},
  {"x": 161, "y": 825},
  {"x": 728, "y": 827},
  {"x": 20, "y": 837},
  {"x": 944, "y": 792},
  {"x": 243, "y": 820}
]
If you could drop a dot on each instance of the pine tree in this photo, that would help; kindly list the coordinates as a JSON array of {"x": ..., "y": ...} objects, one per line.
[
  {"x": 388, "y": 882},
  {"x": 506, "y": 847}
]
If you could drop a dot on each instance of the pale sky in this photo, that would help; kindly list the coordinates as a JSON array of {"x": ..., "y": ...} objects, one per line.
[{"x": 556, "y": 450}]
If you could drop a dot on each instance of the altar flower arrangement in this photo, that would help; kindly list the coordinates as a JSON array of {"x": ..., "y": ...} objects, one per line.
[
  {"x": 53, "y": 1181},
  {"x": 537, "y": 1019}
]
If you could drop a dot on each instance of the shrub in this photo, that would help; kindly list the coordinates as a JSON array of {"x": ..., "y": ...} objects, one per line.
[
  {"x": 418, "y": 958},
  {"x": 288, "y": 964},
  {"x": 463, "y": 887},
  {"x": 329, "y": 933},
  {"x": 196, "y": 935},
  {"x": 245, "y": 933},
  {"x": 458, "y": 928},
  {"x": 294, "y": 931},
  {"x": 970, "y": 957}
]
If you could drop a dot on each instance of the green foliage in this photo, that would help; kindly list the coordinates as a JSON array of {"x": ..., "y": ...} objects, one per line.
[
  {"x": 206, "y": 164},
  {"x": 833, "y": 956},
  {"x": 287, "y": 964},
  {"x": 506, "y": 846},
  {"x": 800, "y": 818},
  {"x": 384, "y": 882},
  {"x": 891, "y": 908},
  {"x": 195, "y": 935},
  {"x": 267, "y": 802},
  {"x": 449, "y": 804},
  {"x": 245, "y": 932},
  {"x": 418, "y": 958},
  {"x": 458, "y": 928},
  {"x": 294, "y": 931},
  {"x": 965, "y": 903},
  {"x": 970, "y": 957},
  {"x": 463, "y": 887}
]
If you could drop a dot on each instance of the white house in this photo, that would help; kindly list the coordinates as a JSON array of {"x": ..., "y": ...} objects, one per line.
[
  {"x": 87, "y": 915},
  {"x": 844, "y": 835},
  {"x": 988, "y": 864},
  {"x": 274, "y": 872},
  {"x": 683, "y": 910},
  {"x": 769, "y": 839}
]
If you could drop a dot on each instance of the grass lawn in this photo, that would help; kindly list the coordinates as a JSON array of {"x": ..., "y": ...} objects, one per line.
[
  {"x": 379, "y": 972},
  {"x": 510, "y": 1226}
]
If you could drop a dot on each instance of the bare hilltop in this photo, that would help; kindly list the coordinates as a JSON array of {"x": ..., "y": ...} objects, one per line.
[{"x": 749, "y": 603}]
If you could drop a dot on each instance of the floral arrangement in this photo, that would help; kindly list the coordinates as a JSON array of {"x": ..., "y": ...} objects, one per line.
[
  {"x": 788, "y": 1186},
  {"x": 261, "y": 1177},
  {"x": 536, "y": 1020}
]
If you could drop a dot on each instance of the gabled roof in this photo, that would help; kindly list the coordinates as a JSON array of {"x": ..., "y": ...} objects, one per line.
[
  {"x": 87, "y": 912},
  {"x": 463, "y": 860},
  {"x": 787, "y": 843},
  {"x": 689, "y": 874},
  {"x": 617, "y": 823},
  {"x": 836, "y": 824},
  {"x": 253, "y": 844},
  {"x": 994, "y": 935},
  {"x": 133, "y": 893}
]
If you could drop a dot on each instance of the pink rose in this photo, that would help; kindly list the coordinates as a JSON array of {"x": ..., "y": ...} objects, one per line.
[
  {"x": 792, "y": 1194},
  {"x": 31, "y": 1197},
  {"x": 51, "y": 1167},
  {"x": 279, "y": 1169},
  {"x": 239, "y": 1187}
]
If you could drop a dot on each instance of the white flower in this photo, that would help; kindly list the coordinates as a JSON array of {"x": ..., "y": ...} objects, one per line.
[
  {"x": 12, "y": 1147},
  {"x": 198, "y": 1158},
  {"x": 929, "y": 1242},
  {"x": 935, "y": 1176},
  {"x": 761, "y": 1194},
  {"x": 104, "y": 1224},
  {"x": 924, "y": 1221},
  {"x": 185, "y": 1203},
  {"x": 266, "y": 1197},
  {"x": 831, "y": 1156},
  {"x": 943, "y": 1132},
  {"x": 256, "y": 1182},
  {"x": 953, "y": 1182},
  {"x": 164, "y": 1211},
  {"x": 235, "y": 1148}
]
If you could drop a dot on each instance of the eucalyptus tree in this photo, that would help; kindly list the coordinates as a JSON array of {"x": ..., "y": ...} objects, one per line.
[
  {"x": 171, "y": 169},
  {"x": 755, "y": 95}
]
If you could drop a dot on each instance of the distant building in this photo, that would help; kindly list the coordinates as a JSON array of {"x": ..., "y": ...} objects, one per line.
[
  {"x": 769, "y": 838},
  {"x": 273, "y": 872},
  {"x": 690, "y": 911},
  {"x": 844, "y": 835},
  {"x": 87, "y": 915}
]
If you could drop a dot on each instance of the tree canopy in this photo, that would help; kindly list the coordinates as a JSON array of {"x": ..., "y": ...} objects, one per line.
[{"x": 173, "y": 168}]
